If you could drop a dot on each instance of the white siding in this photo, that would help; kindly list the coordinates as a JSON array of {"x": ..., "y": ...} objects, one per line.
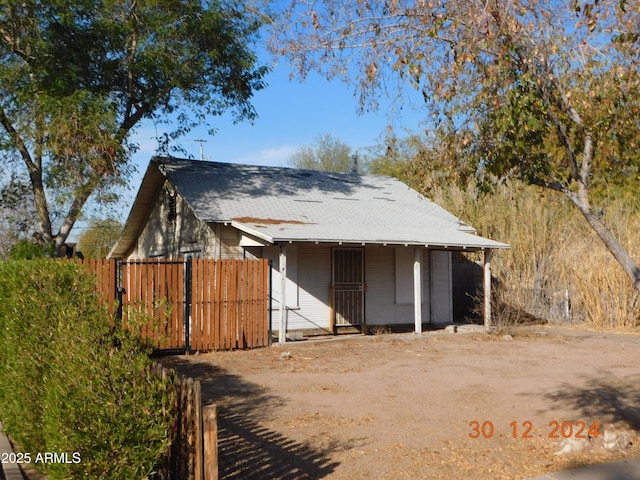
[
  {"x": 313, "y": 270},
  {"x": 404, "y": 258},
  {"x": 385, "y": 272},
  {"x": 426, "y": 286},
  {"x": 441, "y": 298},
  {"x": 273, "y": 254},
  {"x": 313, "y": 278}
]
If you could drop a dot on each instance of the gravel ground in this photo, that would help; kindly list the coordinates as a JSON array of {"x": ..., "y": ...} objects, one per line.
[{"x": 438, "y": 405}]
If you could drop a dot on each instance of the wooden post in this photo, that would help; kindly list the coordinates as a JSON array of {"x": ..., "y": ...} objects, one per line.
[
  {"x": 487, "y": 289},
  {"x": 198, "y": 432},
  {"x": 417, "y": 289},
  {"x": 282, "y": 331},
  {"x": 332, "y": 315},
  {"x": 210, "y": 441},
  {"x": 567, "y": 306}
]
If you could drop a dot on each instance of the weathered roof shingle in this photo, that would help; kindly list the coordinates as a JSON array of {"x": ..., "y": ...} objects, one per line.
[
  {"x": 287, "y": 205},
  {"x": 284, "y": 204}
]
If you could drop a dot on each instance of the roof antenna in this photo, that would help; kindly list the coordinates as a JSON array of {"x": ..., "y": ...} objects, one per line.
[{"x": 202, "y": 141}]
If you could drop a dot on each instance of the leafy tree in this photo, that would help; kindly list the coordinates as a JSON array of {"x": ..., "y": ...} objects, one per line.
[
  {"x": 546, "y": 91},
  {"x": 76, "y": 77},
  {"x": 28, "y": 250},
  {"x": 421, "y": 161},
  {"x": 16, "y": 214},
  {"x": 99, "y": 237},
  {"x": 327, "y": 154}
]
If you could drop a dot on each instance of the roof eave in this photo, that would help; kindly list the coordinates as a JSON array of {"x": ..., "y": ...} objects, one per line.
[
  {"x": 243, "y": 227},
  {"x": 432, "y": 245},
  {"x": 142, "y": 205}
]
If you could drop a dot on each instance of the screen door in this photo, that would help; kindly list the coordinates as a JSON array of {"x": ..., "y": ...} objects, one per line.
[{"x": 348, "y": 286}]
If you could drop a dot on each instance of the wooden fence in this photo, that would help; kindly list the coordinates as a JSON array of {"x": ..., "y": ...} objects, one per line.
[
  {"x": 157, "y": 291},
  {"x": 193, "y": 304},
  {"x": 230, "y": 304},
  {"x": 193, "y": 454},
  {"x": 106, "y": 272}
]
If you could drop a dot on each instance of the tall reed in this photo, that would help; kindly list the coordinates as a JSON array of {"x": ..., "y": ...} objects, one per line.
[{"x": 554, "y": 250}]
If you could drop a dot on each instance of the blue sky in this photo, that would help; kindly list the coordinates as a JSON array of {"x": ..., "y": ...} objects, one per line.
[{"x": 291, "y": 114}]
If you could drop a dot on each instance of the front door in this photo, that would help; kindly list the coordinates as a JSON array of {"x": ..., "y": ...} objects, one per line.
[{"x": 348, "y": 286}]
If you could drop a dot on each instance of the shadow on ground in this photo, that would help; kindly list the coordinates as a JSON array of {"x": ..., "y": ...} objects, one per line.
[
  {"x": 602, "y": 396},
  {"x": 247, "y": 449}
]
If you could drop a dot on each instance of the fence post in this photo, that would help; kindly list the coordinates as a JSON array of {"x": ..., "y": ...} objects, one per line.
[
  {"x": 187, "y": 304},
  {"x": 118, "y": 287},
  {"x": 210, "y": 441},
  {"x": 567, "y": 305}
]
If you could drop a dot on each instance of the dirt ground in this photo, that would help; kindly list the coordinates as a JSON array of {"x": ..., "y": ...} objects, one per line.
[{"x": 401, "y": 406}]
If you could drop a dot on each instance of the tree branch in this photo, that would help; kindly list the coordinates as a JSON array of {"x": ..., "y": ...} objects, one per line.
[
  {"x": 17, "y": 139},
  {"x": 555, "y": 185},
  {"x": 34, "y": 167},
  {"x": 75, "y": 209},
  {"x": 128, "y": 122}
]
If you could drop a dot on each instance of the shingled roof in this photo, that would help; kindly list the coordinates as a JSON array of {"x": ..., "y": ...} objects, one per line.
[{"x": 288, "y": 205}]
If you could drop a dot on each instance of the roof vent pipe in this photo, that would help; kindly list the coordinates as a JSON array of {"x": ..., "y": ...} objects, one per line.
[{"x": 354, "y": 164}]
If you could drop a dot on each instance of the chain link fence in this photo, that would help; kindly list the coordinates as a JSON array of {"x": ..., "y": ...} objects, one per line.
[{"x": 550, "y": 304}]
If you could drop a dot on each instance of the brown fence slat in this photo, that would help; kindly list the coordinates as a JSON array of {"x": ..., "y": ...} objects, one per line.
[
  {"x": 238, "y": 305},
  {"x": 232, "y": 290},
  {"x": 196, "y": 305},
  {"x": 206, "y": 314},
  {"x": 199, "y": 286},
  {"x": 244, "y": 306},
  {"x": 180, "y": 307},
  {"x": 210, "y": 441},
  {"x": 209, "y": 324},
  {"x": 247, "y": 314},
  {"x": 263, "y": 295},
  {"x": 219, "y": 306},
  {"x": 132, "y": 289},
  {"x": 161, "y": 337},
  {"x": 105, "y": 273},
  {"x": 174, "y": 312},
  {"x": 193, "y": 454},
  {"x": 148, "y": 269}
]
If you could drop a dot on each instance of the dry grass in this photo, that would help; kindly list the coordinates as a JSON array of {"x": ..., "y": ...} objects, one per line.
[{"x": 554, "y": 249}]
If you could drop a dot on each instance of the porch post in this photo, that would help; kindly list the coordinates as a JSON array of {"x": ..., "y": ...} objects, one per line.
[
  {"x": 417, "y": 289},
  {"x": 282, "y": 330},
  {"x": 487, "y": 289}
]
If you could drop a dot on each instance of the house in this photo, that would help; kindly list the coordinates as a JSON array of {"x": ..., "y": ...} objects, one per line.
[{"x": 347, "y": 250}]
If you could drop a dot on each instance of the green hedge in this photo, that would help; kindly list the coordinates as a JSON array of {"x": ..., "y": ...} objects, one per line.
[{"x": 70, "y": 383}]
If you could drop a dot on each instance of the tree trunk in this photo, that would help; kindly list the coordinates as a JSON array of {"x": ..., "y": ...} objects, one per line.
[
  {"x": 72, "y": 216},
  {"x": 611, "y": 242},
  {"x": 41, "y": 205}
]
